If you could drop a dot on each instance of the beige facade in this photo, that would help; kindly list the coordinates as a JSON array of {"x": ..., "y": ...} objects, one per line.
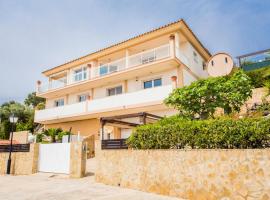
[
  {"x": 189, "y": 174},
  {"x": 22, "y": 163},
  {"x": 86, "y": 127},
  {"x": 129, "y": 77}
]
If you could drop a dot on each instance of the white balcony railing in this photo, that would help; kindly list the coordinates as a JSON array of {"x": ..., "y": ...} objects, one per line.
[
  {"x": 144, "y": 57},
  {"x": 117, "y": 102},
  {"x": 149, "y": 56},
  {"x": 55, "y": 84}
]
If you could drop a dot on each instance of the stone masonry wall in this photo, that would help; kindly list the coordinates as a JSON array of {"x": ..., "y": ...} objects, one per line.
[
  {"x": 192, "y": 174},
  {"x": 22, "y": 163}
]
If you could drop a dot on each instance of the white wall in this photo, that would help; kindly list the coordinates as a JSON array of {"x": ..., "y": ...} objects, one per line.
[
  {"x": 197, "y": 67},
  {"x": 137, "y": 84},
  {"x": 188, "y": 78}
]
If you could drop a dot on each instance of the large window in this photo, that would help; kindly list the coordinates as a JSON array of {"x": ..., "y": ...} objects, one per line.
[
  {"x": 59, "y": 102},
  {"x": 103, "y": 70},
  {"x": 152, "y": 83},
  {"x": 114, "y": 91},
  {"x": 107, "y": 69},
  {"x": 80, "y": 74}
]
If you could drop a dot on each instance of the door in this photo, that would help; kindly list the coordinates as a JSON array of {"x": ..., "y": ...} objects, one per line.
[{"x": 54, "y": 158}]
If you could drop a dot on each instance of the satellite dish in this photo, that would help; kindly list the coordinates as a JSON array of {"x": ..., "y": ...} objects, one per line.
[{"x": 220, "y": 64}]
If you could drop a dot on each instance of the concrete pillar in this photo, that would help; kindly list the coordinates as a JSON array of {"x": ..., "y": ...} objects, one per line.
[
  {"x": 89, "y": 71},
  {"x": 94, "y": 65},
  {"x": 125, "y": 86},
  {"x": 174, "y": 82},
  {"x": 127, "y": 58},
  {"x": 50, "y": 83},
  {"x": 180, "y": 75},
  {"x": 172, "y": 45},
  {"x": 77, "y": 159},
  {"x": 66, "y": 99},
  {"x": 38, "y": 85}
]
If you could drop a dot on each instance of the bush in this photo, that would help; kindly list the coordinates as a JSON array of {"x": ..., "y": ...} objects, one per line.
[
  {"x": 259, "y": 77},
  {"x": 224, "y": 133},
  {"x": 204, "y": 96}
]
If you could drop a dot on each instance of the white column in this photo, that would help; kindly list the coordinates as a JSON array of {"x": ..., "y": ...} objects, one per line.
[
  {"x": 174, "y": 82},
  {"x": 89, "y": 70},
  {"x": 38, "y": 86},
  {"x": 172, "y": 45},
  {"x": 93, "y": 67},
  {"x": 69, "y": 76},
  {"x": 127, "y": 58}
]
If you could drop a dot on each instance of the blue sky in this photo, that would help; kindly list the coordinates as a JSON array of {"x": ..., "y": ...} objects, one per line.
[{"x": 36, "y": 35}]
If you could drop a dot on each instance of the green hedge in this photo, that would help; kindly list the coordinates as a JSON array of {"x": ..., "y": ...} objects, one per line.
[
  {"x": 223, "y": 133},
  {"x": 259, "y": 77}
]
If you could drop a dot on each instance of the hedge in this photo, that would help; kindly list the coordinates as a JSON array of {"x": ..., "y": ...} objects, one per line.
[
  {"x": 259, "y": 77},
  {"x": 223, "y": 133}
]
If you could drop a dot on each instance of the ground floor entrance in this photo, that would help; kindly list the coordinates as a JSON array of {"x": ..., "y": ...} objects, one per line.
[{"x": 54, "y": 158}]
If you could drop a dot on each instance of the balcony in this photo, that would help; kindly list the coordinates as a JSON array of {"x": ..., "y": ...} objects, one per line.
[
  {"x": 122, "y": 103},
  {"x": 160, "y": 55}
]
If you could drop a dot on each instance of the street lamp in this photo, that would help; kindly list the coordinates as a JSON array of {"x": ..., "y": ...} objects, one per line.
[{"x": 13, "y": 120}]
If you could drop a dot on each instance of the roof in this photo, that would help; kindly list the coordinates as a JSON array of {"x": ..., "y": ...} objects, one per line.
[{"x": 135, "y": 37}]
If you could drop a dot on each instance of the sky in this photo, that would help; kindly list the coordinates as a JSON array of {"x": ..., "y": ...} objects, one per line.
[{"x": 36, "y": 35}]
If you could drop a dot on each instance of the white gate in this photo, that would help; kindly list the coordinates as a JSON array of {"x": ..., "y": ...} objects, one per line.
[{"x": 54, "y": 158}]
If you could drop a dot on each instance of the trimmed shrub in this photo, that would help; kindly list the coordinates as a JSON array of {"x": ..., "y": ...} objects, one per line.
[
  {"x": 223, "y": 133},
  {"x": 259, "y": 77}
]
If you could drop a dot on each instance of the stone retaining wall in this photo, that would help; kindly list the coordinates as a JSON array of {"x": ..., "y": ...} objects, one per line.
[
  {"x": 22, "y": 163},
  {"x": 191, "y": 174}
]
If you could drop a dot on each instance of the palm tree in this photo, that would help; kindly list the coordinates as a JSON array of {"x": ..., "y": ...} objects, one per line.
[{"x": 53, "y": 132}]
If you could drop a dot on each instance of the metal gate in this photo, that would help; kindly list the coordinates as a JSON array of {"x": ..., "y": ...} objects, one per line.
[{"x": 54, "y": 158}]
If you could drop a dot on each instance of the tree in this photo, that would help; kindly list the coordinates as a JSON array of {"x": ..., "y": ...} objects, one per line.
[
  {"x": 53, "y": 133},
  {"x": 33, "y": 100},
  {"x": 25, "y": 116},
  {"x": 204, "y": 96}
]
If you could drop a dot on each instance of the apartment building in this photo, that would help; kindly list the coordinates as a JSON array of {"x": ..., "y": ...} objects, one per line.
[{"x": 133, "y": 76}]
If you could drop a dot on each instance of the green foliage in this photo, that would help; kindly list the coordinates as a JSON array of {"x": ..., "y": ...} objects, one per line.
[
  {"x": 33, "y": 100},
  {"x": 40, "y": 106},
  {"x": 53, "y": 133},
  {"x": 224, "y": 133},
  {"x": 56, "y": 135},
  {"x": 202, "y": 97},
  {"x": 61, "y": 134},
  {"x": 25, "y": 116},
  {"x": 259, "y": 77},
  {"x": 39, "y": 138}
]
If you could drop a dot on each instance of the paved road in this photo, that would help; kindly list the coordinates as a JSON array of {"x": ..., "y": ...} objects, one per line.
[{"x": 58, "y": 187}]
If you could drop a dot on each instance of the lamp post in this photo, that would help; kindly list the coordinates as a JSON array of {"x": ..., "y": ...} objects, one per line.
[{"x": 13, "y": 120}]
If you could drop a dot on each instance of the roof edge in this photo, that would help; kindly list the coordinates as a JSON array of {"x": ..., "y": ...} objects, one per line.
[{"x": 130, "y": 39}]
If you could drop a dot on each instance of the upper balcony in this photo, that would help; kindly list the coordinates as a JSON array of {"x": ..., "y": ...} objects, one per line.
[
  {"x": 156, "y": 59},
  {"x": 142, "y": 100}
]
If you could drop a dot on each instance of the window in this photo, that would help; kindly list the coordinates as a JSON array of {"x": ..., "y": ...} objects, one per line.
[
  {"x": 114, "y": 91},
  {"x": 226, "y": 60},
  {"x": 59, "y": 102},
  {"x": 82, "y": 98},
  {"x": 204, "y": 65},
  {"x": 152, "y": 83},
  {"x": 212, "y": 63},
  {"x": 195, "y": 56},
  {"x": 80, "y": 74},
  {"x": 103, "y": 70}
]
